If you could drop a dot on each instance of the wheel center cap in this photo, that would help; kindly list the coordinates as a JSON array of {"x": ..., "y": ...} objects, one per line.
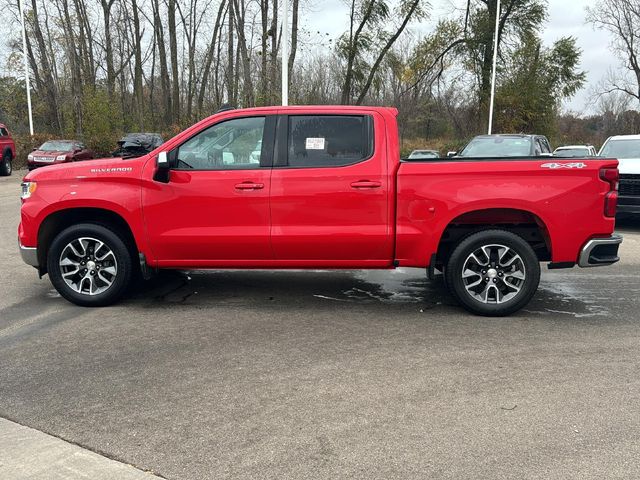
[
  {"x": 91, "y": 265},
  {"x": 492, "y": 273}
]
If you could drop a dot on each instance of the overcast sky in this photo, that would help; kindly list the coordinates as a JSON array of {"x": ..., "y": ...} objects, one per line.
[{"x": 566, "y": 17}]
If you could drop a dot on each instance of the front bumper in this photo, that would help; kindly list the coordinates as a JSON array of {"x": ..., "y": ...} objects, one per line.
[
  {"x": 599, "y": 252},
  {"x": 29, "y": 255}
]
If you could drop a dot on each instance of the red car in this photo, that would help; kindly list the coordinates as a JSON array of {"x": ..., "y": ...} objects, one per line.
[
  {"x": 8, "y": 151},
  {"x": 58, "y": 151},
  {"x": 315, "y": 188}
]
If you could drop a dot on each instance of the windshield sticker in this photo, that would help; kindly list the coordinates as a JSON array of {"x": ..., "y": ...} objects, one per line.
[
  {"x": 564, "y": 165},
  {"x": 314, "y": 144}
]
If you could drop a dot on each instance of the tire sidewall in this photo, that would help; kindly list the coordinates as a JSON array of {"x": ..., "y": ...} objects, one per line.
[
  {"x": 6, "y": 165},
  {"x": 487, "y": 237},
  {"x": 117, "y": 246}
]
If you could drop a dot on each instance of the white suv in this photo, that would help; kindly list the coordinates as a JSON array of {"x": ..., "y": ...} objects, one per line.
[{"x": 626, "y": 148}]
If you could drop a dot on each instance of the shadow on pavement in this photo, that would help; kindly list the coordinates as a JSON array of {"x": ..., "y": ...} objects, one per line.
[{"x": 343, "y": 290}]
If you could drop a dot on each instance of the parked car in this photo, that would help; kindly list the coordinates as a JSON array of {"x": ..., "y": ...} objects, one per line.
[
  {"x": 8, "y": 151},
  {"x": 423, "y": 154},
  {"x": 134, "y": 145},
  {"x": 575, "y": 151},
  {"x": 58, "y": 151},
  {"x": 506, "y": 145},
  {"x": 330, "y": 191},
  {"x": 626, "y": 148}
]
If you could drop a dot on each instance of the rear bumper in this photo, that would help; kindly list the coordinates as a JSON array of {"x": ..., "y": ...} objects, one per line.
[
  {"x": 29, "y": 255},
  {"x": 599, "y": 252}
]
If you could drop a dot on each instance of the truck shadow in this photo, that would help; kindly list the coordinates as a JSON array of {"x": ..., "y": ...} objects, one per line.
[{"x": 396, "y": 291}]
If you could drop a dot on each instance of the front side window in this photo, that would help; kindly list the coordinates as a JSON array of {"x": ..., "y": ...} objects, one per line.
[
  {"x": 3, "y": 132},
  {"x": 328, "y": 140},
  {"x": 232, "y": 144}
]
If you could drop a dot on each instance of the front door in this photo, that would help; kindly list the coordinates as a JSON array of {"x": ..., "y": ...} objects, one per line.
[
  {"x": 330, "y": 191},
  {"x": 214, "y": 210}
]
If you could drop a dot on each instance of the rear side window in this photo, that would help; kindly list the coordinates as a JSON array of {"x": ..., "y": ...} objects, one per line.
[
  {"x": 329, "y": 140},
  {"x": 3, "y": 132}
]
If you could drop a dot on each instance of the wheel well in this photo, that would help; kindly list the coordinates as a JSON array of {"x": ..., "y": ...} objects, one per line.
[
  {"x": 8, "y": 150},
  {"x": 58, "y": 221},
  {"x": 525, "y": 224}
]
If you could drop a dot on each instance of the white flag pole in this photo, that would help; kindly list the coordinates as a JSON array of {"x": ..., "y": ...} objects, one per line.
[
  {"x": 285, "y": 52},
  {"x": 493, "y": 73},
  {"x": 26, "y": 68}
]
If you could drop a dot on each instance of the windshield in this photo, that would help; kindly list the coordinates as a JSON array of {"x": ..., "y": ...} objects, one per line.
[
  {"x": 572, "y": 152},
  {"x": 497, "y": 147},
  {"x": 56, "y": 146},
  {"x": 621, "y": 149}
]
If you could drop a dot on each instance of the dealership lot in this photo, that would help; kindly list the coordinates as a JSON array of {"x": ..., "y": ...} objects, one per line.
[{"x": 328, "y": 374}]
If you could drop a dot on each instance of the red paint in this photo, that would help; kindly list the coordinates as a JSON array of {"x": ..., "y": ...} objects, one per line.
[
  {"x": 6, "y": 143},
  {"x": 365, "y": 215}
]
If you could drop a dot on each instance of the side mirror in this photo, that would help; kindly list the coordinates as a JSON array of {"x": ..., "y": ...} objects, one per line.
[
  {"x": 451, "y": 154},
  {"x": 163, "y": 168}
]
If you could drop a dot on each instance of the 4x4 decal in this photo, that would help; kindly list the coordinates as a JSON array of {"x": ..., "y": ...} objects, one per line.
[{"x": 564, "y": 165}]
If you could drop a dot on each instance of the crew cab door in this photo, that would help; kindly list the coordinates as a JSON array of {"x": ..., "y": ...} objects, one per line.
[
  {"x": 330, "y": 191},
  {"x": 214, "y": 209}
]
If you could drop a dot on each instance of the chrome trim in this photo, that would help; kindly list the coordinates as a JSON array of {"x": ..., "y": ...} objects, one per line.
[
  {"x": 29, "y": 255},
  {"x": 593, "y": 243}
]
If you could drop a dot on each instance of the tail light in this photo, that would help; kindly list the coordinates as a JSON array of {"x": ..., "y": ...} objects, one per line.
[{"x": 612, "y": 177}]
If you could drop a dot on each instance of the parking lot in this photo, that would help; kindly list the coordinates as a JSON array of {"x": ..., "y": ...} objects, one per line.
[{"x": 329, "y": 374}]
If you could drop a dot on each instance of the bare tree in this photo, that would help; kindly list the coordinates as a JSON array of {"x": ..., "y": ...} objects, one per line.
[{"x": 621, "y": 18}]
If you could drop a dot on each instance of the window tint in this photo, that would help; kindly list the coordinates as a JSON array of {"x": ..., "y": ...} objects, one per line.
[
  {"x": 328, "y": 140},
  {"x": 234, "y": 144}
]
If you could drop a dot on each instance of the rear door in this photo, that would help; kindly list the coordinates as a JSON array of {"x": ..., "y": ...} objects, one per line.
[{"x": 330, "y": 191}]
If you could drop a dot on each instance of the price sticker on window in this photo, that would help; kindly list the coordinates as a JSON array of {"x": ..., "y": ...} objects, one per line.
[{"x": 314, "y": 144}]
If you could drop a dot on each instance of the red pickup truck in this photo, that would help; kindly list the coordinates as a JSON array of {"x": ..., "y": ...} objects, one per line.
[
  {"x": 316, "y": 187},
  {"x": 7, "y": 151}
]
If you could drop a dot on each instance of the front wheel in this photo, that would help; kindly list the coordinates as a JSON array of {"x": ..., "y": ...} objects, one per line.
[
  {"x": 89, "y": 265},
  {"x": 6, "y": 167},
  {"x": 493, "y": 273}
]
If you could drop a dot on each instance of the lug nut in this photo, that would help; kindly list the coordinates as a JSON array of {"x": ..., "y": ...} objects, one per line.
[{"x": 495, "y": 280}]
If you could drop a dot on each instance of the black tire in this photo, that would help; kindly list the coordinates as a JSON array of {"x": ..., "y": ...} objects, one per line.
[
  {"x": 112, "y": 241},
  {"x": 6, "y": 168},
  {"x": 500, "y": 290}
]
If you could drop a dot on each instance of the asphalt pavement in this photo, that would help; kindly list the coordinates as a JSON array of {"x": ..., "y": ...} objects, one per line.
[{"x": 319, "y": 375}]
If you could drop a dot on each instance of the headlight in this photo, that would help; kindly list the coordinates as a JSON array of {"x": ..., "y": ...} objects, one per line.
[
  {"x": 61, "y": 158},
  {"x": 27, "y": 189},
  {"x": 29, "y": 157}
]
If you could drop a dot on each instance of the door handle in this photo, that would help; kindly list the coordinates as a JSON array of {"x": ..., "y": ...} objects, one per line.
[
  {"x": 366, "y": 184},
  {"x": 249, "y": 186}
]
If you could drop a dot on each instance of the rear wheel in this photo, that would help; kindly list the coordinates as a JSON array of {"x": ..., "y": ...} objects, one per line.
[
  {"x": 6, "y": 168},
  {"x": 89, "y": 265},
  {"x": 493, "y": 273}
]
